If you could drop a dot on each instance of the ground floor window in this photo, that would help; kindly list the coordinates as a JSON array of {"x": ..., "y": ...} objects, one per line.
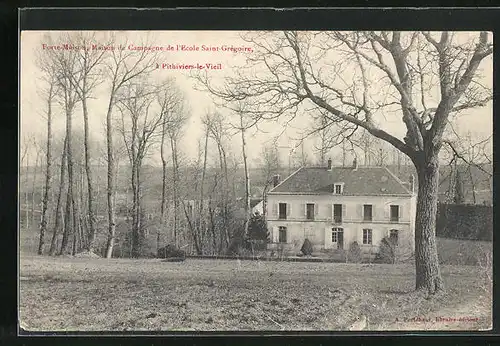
[
  {"x": 282, "y": 234},
  {"x": 338, "y": 237},
  {"x": 367, "y": 236},
  {"x": 394, "y": 236},
  {"x": 335, "y": 234}
]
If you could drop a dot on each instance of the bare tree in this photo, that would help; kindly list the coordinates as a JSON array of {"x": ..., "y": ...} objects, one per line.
[
  {"x": 26, "y": 146},
  {"x": 37, "y": 147},
  {"x": 176, "y": 122},
  {"x": 243, "y": 126},
  {"x": 64, "y": 62},
  {"x": 470, "y": 162},
  {"x": 58, "y": 209},
  {"x": 122, "y": 66},
  {"x": 50, "y": 94},
  {"x": 307, "y": 68},
  {"x": 139, "y": 128},
  {"x": 170, "y": 100},
  {"x": 87, "y": 77},
  {"x": 219, "y": 132},
  {"x": 270, "y": 165}
]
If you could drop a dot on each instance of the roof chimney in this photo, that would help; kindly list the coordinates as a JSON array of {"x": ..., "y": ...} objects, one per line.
[
  {"x": 412, "y": 183},
  {"x": 329, "y": 164},
  {"x": 276, "y": 180},
  {"x": 355, "y": 164}
]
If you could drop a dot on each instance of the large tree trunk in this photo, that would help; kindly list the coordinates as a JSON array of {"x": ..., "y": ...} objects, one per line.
[
  {"x": 48, "y": 175},
  {"x": 58, "y": 210},
  {"x": 90, "y": 183},
  {"x": 111, "y": 180},
  {"x": 428, "y": 275}
]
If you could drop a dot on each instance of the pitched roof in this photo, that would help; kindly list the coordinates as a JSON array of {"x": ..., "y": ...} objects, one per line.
[{"x": 363, "y": 181}]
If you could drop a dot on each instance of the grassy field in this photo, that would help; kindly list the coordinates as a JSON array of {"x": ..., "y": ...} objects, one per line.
[{"x": 69, "y": 294}]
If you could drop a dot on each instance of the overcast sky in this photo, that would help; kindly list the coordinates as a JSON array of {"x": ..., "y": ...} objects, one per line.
[{"x": 479, "y": 121}]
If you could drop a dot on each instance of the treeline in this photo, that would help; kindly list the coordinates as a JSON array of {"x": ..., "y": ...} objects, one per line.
[{"x": 83, "y": 207}]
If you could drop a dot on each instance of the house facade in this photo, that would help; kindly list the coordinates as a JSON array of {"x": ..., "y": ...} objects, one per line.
[{"x": 336, "y": 206}]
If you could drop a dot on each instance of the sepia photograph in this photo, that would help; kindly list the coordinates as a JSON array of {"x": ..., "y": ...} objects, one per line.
[{"x": 255, "y": 181}]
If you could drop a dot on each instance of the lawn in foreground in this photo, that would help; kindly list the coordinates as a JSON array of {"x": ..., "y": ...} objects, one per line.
[{"x": 80, "y": 294}]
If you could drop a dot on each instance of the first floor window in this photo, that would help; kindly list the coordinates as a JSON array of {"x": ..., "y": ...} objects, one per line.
[
  {"x": 310, "y": 211},
  {"x": 282, "y": 234},
  {"x": 338, "y": 189},
  {"x": 393, "y": 236},
  {"x": 394, "y": 213},
  {"x": 337, "y": 213},
  {"x": 282, "y": 211},
  {"x": 367, "y": 212},
  {"x": 367, "y": 236}
]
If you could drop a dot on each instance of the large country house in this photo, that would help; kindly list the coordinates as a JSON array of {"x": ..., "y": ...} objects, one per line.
[{"x": 336, "y": 206}]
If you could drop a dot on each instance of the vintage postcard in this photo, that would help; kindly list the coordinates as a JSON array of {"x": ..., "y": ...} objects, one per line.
[{"x": 255, "y": 181}]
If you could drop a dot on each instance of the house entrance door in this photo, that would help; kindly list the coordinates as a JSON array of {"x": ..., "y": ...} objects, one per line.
[{"x": 340, "y": 239}]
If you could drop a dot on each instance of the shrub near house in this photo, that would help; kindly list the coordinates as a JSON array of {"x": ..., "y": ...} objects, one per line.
[{"x": 336, "y": 206}]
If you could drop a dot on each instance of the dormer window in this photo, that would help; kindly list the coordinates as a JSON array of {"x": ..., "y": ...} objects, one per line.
[{"x": 338, "y": 188}]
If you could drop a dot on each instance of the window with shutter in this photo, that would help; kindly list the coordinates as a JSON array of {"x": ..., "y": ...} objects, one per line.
[
  {"x": 282, "y": 234},
  {"x": 367, "y": 236},
  {"x": 316, "y": 209},
  {"x": 337, "y": 213},
  {"x": 310, "y": 211},
  {"x": 387, "y": 212},
  {"x": 394, "y": 236},
  {"x": 275, "y": 234},
  {"x": 394, "y": 213},
  {"x": 344, "y": 211},
  {"x": 367, "y": 212},
  {"x": 283, "y": 212}
]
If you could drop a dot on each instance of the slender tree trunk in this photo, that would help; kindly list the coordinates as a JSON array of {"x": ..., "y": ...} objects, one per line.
[
  {"x": 247, "y": 178},
  {"x": 26, "y": 193},
  {"x": 163, "y": 186},
  {"x": 203, "y": 174},
  {"x": 225, "y": 192},
  {"x": 76, "y": 240},
  {"x": 111, "y": 179},
  {"x": 175, "y": 197},
  {"x": 48, "y": 176},
  {"x": 428, "y": 275},
  {"x": 135, "y": 211},
  {"x": 58, "y": 210},
  {"x": 76, "y": 213},
  {"x": 365, "y": 151},
  {"x": 90, "y": 183},
  {"x": 33, "y": 188},
  {"x": 69, "y": 198},
  {"x": 473, "y": 184},
  {"x": 343, "y": 154}
]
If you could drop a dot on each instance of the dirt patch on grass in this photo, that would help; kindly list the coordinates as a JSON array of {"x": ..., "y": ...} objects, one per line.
[{"x": 70, "y": 294}]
